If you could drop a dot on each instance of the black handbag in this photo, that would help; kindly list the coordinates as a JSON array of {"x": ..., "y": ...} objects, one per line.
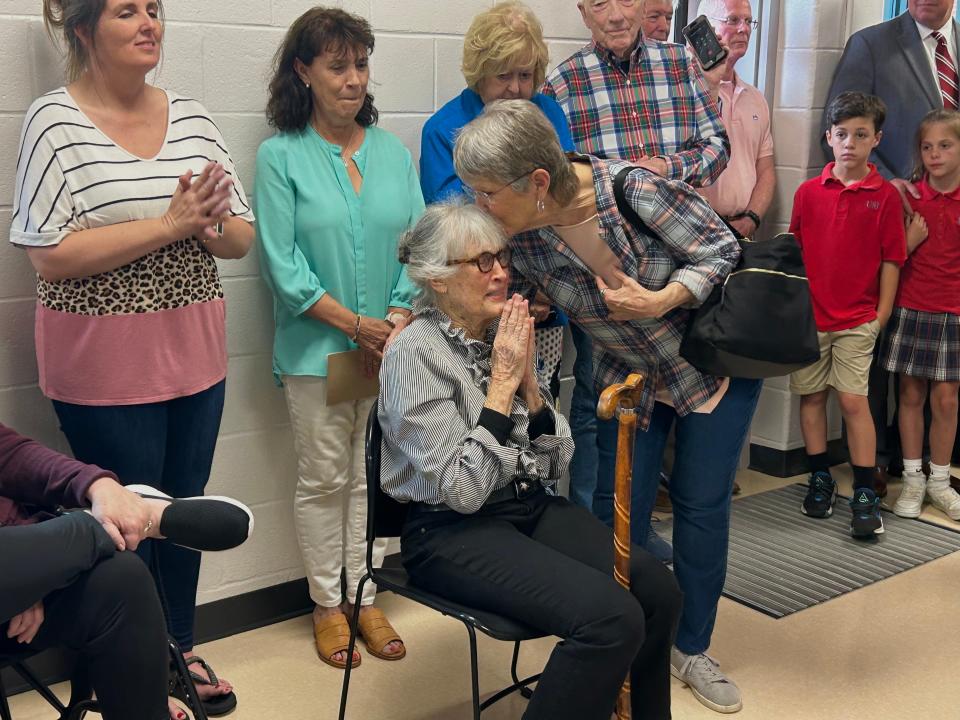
[{"x": 759, "y": 322}]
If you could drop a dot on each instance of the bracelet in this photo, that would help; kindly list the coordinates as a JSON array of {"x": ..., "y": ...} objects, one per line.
[
  {"x": 356, "y": 332},
  {"x": 753, "y": 216}
]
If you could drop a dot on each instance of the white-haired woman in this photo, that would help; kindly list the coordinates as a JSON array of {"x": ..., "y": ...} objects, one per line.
[
  {"x": 476, "y": 447},
  {"x": 631, "y": 289}
]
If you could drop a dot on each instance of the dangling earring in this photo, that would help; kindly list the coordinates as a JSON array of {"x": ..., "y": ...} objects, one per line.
[{"x": 540, "y": 205}]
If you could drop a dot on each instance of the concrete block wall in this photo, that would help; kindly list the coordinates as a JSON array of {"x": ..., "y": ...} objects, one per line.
[{"x": 219, "y": 52}]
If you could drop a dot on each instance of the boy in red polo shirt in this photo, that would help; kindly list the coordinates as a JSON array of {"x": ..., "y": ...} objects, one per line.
[{"x": 849, "y": 223}]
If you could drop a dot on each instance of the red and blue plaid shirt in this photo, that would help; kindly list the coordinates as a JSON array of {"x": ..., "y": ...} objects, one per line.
[
  {"x": 655, "y": 107},
  {"x": 694, "y": 247}
]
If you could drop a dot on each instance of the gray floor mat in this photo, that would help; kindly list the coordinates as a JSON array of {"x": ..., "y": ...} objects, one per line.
[{"x": 781, "y": 561}]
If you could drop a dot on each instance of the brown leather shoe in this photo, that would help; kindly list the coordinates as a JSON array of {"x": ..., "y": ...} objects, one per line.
[
  {"x": 736, "y": 488},
  {"x": 662, "y": 503},
  {"x": 880, "y": 481}
]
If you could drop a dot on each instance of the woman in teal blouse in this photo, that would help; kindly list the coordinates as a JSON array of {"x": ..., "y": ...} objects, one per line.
[{"x": 333, "y": 194}]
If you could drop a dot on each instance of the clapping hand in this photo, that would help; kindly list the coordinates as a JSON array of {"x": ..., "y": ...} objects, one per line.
[{"x": 198, "y": 204}]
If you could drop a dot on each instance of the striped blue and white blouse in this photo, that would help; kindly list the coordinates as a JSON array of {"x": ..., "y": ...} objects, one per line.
[{"x": 433, "y": 385}]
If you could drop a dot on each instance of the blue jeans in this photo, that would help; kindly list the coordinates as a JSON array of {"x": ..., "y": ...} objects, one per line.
[
  {"x": 583, "y": 422},
  {"x": 167, "y": 445},
  {"x": 707, "y": 454}
]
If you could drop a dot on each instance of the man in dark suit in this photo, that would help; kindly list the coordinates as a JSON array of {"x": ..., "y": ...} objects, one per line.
[
  {"x": 895, "y": 60},
  {"x": 898, "y": 60}
]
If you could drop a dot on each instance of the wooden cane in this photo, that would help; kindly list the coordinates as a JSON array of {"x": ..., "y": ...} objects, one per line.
[{"x": 622, "y": 400}]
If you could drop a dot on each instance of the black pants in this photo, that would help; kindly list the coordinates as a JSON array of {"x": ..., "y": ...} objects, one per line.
[
  {"x": 549, "y": 563},
  {"x": 98, "y": 602}
]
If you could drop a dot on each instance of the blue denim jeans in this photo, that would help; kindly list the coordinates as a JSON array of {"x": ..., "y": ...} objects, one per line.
[
  {"x": 707, "y": 454},
  {"x": 167, "y": 445},
  {"x": 583, "y": 422}
]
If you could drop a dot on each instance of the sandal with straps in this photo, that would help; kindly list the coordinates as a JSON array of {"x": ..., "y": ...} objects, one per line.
[
  {"x": 331, "y": 633},
  {"x": 377, "y": 633},
  {"x": 214, "y": 706}
]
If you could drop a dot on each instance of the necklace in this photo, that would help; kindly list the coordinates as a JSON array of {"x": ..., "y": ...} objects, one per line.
[{"x": 345, "y": 154}]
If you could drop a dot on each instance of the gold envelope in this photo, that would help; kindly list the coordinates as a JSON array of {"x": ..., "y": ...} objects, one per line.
[{"x": 346, "y": 379}]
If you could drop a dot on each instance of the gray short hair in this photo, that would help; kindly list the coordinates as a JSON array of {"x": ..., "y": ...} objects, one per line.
[
  {"x": 510, "y": 138},
  {"x": 446, "y": 231}
]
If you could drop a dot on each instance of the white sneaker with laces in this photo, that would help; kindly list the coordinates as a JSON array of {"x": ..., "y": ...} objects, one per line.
[
  {"x": 944, "y": 498},
  {"x": 701, "y": 673},
  {"x": 910, "y": 502}
]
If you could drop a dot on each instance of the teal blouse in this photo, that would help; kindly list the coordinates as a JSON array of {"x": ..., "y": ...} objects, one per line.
[{"x": 317, "y": 235}]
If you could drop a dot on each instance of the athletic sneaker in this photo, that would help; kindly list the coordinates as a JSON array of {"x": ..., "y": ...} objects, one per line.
[
  {"x": 821, "y": 496},
  {"x": 865, "y": 521},
  {"x": 206, "y": 522},
  {"x": 910, "y": 502},
  {"x": 944, "y": 498},
  {"x": 701, "y": 673}
]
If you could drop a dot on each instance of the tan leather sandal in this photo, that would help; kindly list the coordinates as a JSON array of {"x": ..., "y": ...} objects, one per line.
[
  {"x": 332, "y": 635},
  {"x": 377, "y": 633}
]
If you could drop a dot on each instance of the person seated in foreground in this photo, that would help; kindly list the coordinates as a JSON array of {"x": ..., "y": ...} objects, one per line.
[
  {"x": 65, "y": 579},
  {"x": 471, "y": 440}
]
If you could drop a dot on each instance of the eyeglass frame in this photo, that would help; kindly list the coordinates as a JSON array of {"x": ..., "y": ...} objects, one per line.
[
  {"x": 502, "y": 257},
  {"x": 488, "y": 196},
  {"x": 752, "y": 23}
]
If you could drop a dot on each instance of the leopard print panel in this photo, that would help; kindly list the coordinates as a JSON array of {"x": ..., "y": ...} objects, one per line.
[{"x": 177, "y": 275}]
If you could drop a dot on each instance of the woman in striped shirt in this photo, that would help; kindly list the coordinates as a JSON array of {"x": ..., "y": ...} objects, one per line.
[
  {"x": 472, "y": 441},
  {"x": 125, "y": 195}
]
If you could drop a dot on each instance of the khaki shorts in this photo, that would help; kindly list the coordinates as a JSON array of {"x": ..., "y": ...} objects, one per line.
[{"x": 844, "y": 364}]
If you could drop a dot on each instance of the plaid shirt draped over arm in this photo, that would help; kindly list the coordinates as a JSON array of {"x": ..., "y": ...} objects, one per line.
[{"x": 694, "y": 248}]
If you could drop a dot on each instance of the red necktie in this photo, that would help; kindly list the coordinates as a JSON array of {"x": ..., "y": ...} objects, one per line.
[{"x": 946, "y": 73}]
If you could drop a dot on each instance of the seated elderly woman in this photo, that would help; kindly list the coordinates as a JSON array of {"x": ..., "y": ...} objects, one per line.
[
  {"x": 472, "y": 441},
  {"x": 631, "y": 289}
]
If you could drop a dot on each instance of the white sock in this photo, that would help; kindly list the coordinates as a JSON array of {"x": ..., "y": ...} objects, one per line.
[
  {"x": 939, "y": 475},
  {"x": 913, "y": 470}
]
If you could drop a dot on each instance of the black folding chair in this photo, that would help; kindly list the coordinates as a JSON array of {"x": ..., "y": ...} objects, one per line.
[
  {"x": 385, "y": 518},
  {"x": 81, "y": 692}
]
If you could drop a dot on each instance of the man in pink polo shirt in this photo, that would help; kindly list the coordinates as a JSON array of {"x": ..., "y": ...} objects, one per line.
[{"x": 744, "y": 191}]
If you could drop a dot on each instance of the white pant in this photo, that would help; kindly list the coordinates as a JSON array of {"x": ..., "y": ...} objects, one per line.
[{"x": 330, "y": 508}]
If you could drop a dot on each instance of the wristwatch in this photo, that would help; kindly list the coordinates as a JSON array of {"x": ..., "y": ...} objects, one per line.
[
  {"x": 393, "y": 317},
  {"x": 753, "y": 216}
]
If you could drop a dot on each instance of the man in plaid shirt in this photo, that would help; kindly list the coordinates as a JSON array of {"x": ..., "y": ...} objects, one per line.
[
  {"x": 636, "y": 99},
  {"x": 639, "y": 100}
]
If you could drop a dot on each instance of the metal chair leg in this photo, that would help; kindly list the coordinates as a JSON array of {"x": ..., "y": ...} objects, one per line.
[
  {"x": 474, "y": 673},
  {"x": 4, "y": 707},
  {"x": 354, "y": 628},
  {"x": 181, "y": 676},
  {"x": 42, "y": 689},
  {"x": 524, "y": 690}
]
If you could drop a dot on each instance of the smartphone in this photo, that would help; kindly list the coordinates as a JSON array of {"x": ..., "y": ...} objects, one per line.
[{"x": 705, "y": 43}]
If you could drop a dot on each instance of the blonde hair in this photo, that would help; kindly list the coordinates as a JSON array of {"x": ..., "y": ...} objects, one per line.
[
  {"x": 950, "y": 118},
  {"x": 64, "y": 18},
  {"x": 501, "y": 38}
]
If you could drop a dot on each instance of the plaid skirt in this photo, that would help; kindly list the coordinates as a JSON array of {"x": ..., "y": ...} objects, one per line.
[{"x": 922, "y": 344}]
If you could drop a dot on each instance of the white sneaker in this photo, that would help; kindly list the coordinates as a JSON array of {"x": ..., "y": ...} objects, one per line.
[
  {"x": 910, "y": 502},
  {"x": 944, "y": 498}
]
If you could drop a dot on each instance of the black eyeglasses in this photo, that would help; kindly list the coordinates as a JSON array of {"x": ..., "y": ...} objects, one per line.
[{"x": 484, "y": 261}]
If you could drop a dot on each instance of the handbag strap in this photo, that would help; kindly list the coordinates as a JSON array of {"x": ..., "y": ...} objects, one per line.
[{"x": 623, "y": 205}]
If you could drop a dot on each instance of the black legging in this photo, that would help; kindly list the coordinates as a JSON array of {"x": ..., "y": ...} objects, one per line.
[
  {"x": 96, "y": 601},
  {"x": 549, "y": 564}
]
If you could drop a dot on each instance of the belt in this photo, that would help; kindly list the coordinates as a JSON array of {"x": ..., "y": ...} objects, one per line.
[{"x": 520, "y": 488}]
